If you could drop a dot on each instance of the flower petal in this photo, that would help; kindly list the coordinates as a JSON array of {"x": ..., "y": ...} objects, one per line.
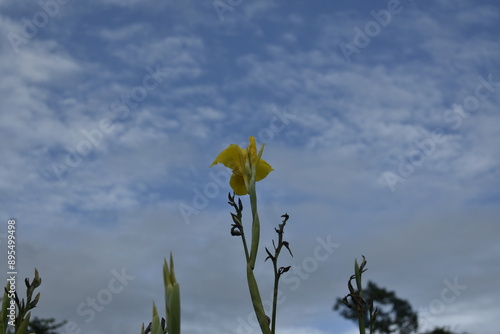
[
  {"x": 252, "y": 150},
  {"x": 230, "y": 158},
  {"x": 262, "y": 170},
  {"x": 238, "y": 184}
]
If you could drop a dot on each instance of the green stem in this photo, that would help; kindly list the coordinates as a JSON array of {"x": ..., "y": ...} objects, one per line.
[
  {"x": 275, "y": 299},
  {"x": 361, "y": 324},
  {"x": 276, "y": 283},
  {"x": 255, "y": 225},
  {"x": 247, "y": 256},
  {"x": 257, "y": 301},
  {"x": 252, "y": 283},
  {"x": 358, "y": 272}
]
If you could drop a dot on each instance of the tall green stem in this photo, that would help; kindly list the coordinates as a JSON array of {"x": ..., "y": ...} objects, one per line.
[
  {"x": 247, "y": 256},
  {"x": 275, "y": 297},
  {"x": 252, "y": 283},
  {"x": 276, "y": 281},
  {"x": 255, "y": 225},
  {"x": 361, "y": 324},
  {"x": 358, "y": 272},
  {"x": 257, "y": 301}
]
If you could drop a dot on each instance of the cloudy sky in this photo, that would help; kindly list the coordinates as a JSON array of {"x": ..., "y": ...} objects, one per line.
[{"x": 380, "y": 119}]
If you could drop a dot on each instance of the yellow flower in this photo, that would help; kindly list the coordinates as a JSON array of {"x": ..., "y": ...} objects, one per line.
[{"x": 247, "y": 166}]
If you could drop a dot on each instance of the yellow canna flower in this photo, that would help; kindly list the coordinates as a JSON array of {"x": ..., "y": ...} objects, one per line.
[{"x": 246, "y": 164}]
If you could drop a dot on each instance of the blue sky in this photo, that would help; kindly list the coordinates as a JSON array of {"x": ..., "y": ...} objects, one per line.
[{"x": 380, "y": 119}]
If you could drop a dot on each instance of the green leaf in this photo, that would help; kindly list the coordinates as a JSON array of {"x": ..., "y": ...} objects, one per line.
[
  {"x": 142, "y": 329},
  {"x": 257, "y": 301},
  {"x": 174, "y": 321},
  {"x": 23, "y": 327},
  {"x": 172, "y": 297},
  {"x": 156, "y": 327},
  {"x": 34, "y": 302},
  {"x": 37, "y": 281},
  {"x": 254, "y": 246},
  {"x": 3, "y": 312},
  {"x": 357, "y": 274}
]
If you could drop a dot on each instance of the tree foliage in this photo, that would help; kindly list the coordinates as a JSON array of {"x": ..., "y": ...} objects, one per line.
[
  {"x": 44, "y": 326},
  {"x": 441, "y": 330}
]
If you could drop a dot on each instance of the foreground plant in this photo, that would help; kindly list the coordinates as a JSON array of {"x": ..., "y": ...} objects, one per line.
[
  {"x": 278, "y": 271},
  {"x": 15, "y": 312},
  {"x": 172, "y": 324},
  {"x": 248, "y": 167},
  {"x": 395, "y": 315},
  {"x": 357, "y": 300}
]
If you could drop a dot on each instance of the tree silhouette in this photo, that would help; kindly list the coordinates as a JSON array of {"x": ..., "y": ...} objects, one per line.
[
  {"x": 44, "y": 326},
  {"x": 441, "y": 330}
]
